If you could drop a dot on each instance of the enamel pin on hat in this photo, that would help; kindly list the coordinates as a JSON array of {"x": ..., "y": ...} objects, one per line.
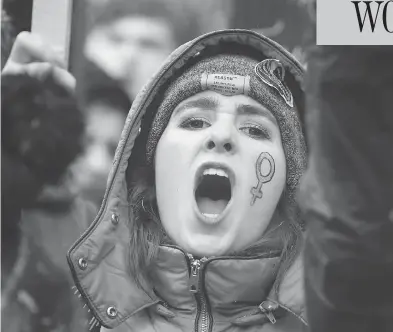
[{"x": 272, "y": 72}]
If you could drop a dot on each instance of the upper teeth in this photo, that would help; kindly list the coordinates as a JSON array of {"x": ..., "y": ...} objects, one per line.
[{"x": 215, "y": 171}]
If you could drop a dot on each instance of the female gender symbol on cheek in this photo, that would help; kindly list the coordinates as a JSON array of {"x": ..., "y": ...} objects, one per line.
[{"x": 256, "y": 192}]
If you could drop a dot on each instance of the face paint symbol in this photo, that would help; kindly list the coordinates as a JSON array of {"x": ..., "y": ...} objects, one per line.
[{"x": 256, "y": 192}]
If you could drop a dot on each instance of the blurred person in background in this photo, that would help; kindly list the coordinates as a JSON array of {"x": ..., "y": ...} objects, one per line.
[
  {"x": 128, "y": 42},
  {"x": 131, "y": 39},
  {"x": 106, "y": 106},
  {"x": 347, "y": 191},
  {"x": 42, "y": 130}
]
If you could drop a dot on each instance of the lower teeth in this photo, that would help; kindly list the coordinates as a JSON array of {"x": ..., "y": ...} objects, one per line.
[{"x": 210, "y": 215}]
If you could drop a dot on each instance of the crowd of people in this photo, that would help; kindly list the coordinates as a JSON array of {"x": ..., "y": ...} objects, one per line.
[{"x": 201, "y": 181}]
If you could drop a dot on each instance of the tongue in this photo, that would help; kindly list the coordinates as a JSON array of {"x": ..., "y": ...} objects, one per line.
[{"x": 209, "y": 206}]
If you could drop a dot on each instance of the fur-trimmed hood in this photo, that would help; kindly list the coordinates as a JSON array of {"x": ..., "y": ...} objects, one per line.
[{"x": 99, "y": 259}]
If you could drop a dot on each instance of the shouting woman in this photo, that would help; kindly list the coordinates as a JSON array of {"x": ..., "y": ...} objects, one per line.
[{"x": 199, "y": 229}]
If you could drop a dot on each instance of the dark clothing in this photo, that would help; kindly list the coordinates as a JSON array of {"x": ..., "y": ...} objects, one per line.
[
  {"x": 99, "y": 87},
  {"x": 347, "y": 192},
  {"x": 36, "y": 283}
]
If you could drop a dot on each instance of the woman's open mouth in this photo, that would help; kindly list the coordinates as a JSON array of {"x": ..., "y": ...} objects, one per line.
[{"x": 213, "y": 191}]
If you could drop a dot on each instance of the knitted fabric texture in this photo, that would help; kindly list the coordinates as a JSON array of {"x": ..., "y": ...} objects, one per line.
[{"x": 189, "y": 84}]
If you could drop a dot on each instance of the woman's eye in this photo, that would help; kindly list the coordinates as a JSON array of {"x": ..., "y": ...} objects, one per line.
[
  {"x": 256, "y": 132},
  {"x": 195, "y": 123}
]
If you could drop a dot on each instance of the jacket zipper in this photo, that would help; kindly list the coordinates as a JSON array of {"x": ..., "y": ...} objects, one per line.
[{"x": 203, "y": 320}]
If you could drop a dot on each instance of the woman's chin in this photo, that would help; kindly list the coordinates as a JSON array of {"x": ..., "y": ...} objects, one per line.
[{"x": 206, "y": 246}]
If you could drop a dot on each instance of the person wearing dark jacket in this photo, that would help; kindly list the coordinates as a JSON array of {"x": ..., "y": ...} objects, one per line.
[
  {"x": 42, "y": 129},
  {"x": 347, "y": 191}
]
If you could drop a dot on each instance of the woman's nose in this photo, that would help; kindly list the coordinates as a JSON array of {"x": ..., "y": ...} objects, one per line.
[{"x": 222, "y": 139}]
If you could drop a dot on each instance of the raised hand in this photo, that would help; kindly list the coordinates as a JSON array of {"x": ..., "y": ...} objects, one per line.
[{"x": 31, "y": 55}]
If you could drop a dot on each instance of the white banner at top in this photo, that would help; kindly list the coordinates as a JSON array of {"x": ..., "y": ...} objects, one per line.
[{"x": 348, "y": 22}]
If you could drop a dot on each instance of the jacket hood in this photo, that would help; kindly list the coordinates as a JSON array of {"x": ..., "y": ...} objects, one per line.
[{"x": 99, "y": 259}]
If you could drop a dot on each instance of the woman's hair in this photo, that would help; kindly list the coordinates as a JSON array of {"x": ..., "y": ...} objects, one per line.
[{"x": 147, "y": 232}]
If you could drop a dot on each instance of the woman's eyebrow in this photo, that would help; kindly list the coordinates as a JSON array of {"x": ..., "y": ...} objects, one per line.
[
  {"x": 245, "y": 109},
  {"x": 204, "y": 103}
]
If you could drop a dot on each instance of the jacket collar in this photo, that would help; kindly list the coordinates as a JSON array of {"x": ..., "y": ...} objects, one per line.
[
  {"x": 113, "y": 295},
  {"x": 233, "y": 286}
]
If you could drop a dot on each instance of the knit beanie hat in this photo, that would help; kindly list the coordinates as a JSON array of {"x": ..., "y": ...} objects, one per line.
[{"x": 232, "y": 74}]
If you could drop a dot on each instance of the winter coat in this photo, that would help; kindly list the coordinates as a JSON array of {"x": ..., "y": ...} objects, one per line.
[
  {"x": 235, "y": 293},
  {"x": 347, "y": 191}
]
